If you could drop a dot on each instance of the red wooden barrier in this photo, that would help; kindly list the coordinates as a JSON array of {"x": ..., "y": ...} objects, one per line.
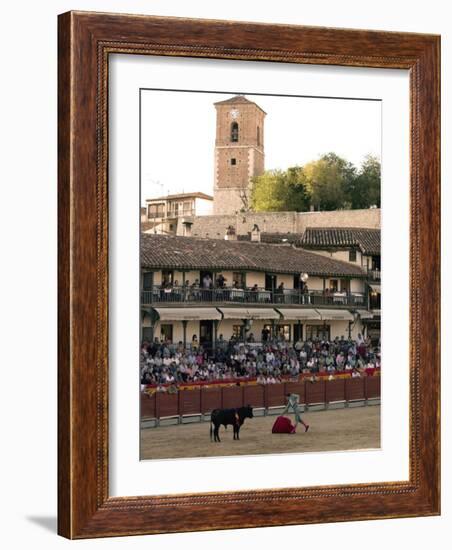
[
  {"x": 335, "y": 390},
  {"x": 210, "y": 399},
  {"x": 189, "y": 402},
  {"x": 315, "y": 392},
  {"x": 167, "y": 404},
  {"x": 204, "y": 400},
  {"x": 254, "y": 396},
  {"x": 232, "y": 397},
  {"x": 147, "y": 406},
  {"x": 354, "y": 389},
  {"x": 275, "y": 395},
  {"x": 372, "y": 386}
]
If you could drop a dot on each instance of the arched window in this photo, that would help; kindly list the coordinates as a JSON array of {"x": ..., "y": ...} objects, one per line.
[
  {"x": 258, "y": 136},
  {"x": 234, "y": 131}
]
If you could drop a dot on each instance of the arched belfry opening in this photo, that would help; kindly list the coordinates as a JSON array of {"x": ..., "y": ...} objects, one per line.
[{"x": 234, "y": 132}]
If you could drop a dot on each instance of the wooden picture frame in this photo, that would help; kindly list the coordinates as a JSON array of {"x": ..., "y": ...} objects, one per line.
[{"x": 86, "y": 40}]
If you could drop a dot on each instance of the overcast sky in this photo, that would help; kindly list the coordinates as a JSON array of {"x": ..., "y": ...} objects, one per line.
[{"x": 178, "y": 135}]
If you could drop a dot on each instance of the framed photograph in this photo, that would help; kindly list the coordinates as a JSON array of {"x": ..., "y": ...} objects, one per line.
[{"x": 248, "y": 275}]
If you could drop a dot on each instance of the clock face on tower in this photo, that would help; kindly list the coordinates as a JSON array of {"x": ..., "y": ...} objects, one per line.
[{"x": 234, "y": 113}]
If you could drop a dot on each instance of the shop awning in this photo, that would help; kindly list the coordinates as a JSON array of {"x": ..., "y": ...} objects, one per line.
[
  {"x": 249, "y": 313},
  {"x": 335, "y": 315},
  {"x": 299, "y": 314},
  {"x": 375, "y": 288},
  {"x": 188, "y": 313},
  {"x": 364, "y": 314}
]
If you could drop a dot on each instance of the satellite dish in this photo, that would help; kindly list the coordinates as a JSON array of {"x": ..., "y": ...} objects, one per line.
[{"x": 304, "y": 277}]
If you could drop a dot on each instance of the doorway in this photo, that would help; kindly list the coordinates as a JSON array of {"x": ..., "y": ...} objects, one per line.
[
  {"x": 297, "y": 332},
  {"x": 206, "y": 333},
  {"x": 270, "y": 282}
]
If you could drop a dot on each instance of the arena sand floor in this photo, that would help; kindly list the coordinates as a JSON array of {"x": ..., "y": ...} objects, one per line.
[{"x": 332, "y": 430}]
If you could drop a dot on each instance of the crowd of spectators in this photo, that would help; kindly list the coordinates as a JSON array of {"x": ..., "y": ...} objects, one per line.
[{"x": 271, "y": 362}]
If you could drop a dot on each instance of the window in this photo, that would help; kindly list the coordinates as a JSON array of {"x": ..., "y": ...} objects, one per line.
[
  {"x": 188, "y": 207},
  {"x": 238, "y": 279},
  {"x": 156, "y": 211},
  {"x": 334, "y": 285},
  {"x": 237, "y": 331},
  {"x": 317, "y": 332},
  {"x": 167, "y": 277},
  {"x": 375, "y": 300},
  {"x": 187, "y": 229},
  {"x": 283, "y": 332},
  {"x": 297, "y": 332},
  {"x": 258, "y": 136},
  {"x": 352, "y": 255},
  {"x": 148, "y": 280},
  {"x": 233, "y": 162},
  {"x": 345, "y": 285},
  {"x": 234, "y": 132},
  {"x": 166, "y": 333},
  {"x": 270, "y": 281},
  {"x": 173, "y": 209}
]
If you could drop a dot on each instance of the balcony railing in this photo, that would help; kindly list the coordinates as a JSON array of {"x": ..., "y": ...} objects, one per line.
[
  {"x": 180, "y": 295},
  {"x": 180, "y": 213},
  {"x": 374, "y": 274}
]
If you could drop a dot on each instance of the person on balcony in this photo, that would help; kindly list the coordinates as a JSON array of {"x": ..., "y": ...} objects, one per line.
[
  {"x": 207, "y": 281},
  {"x": 253, "y": 295},
  {"x": 221, "y": 280},
  {"x": 186, "y": 290},
  {"x": 279, "y": 298},
  {"x": 207, "y": 285},
  {"x": 306, "y": 296},
  {"x": 194, "y": 290}
]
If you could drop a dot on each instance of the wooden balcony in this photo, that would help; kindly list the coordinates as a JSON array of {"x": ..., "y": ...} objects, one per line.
[{"x": 181, "y": 295}]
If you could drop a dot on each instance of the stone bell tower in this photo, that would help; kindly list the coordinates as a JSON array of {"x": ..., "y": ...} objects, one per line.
[{"x": 239, "y": 153}]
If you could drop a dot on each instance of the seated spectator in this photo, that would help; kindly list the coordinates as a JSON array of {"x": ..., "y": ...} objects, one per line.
[{"x": 269, "y": 362}]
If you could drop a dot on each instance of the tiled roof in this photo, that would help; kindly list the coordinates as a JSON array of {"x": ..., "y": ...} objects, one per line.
[
  {"x": 278, "y": 238},
  {"x": 275, "y": 238},
  {"x": 195, "y": 194},
  {"x": 367, "y": 240},
  {"x": 237, "y": 100},
  {"x": 171, "y": 252}
]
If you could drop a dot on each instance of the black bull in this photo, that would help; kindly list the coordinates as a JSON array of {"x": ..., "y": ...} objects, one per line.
[{"x": 235, "y": 417}]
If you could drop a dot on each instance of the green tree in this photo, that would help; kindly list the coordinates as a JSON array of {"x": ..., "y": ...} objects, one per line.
[
  {"x": 328, "y": 180},
  {"x": 279, "y": 191},
  {"x": 329, "y": 183},
  {"x": 364, "y": 190}
]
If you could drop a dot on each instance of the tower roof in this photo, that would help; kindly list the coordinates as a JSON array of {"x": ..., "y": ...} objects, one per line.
[{"x": 237, "y": 100}]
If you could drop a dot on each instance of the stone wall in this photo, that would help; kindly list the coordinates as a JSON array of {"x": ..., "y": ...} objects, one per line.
[{"x": 214, "y": 227}]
